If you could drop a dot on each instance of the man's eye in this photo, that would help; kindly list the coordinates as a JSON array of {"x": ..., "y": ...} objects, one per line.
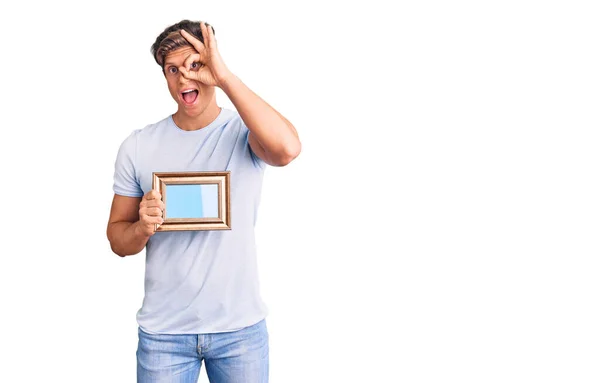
[
  {"x": 172, "y": 70},
  {"x": 195, "y": 65}
]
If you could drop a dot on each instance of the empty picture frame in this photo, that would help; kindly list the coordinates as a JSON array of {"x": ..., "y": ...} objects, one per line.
[{"x": 194, "y": 200}]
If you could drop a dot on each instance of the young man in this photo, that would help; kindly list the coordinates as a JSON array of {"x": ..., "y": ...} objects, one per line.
[{"x": 202, "y": 298}]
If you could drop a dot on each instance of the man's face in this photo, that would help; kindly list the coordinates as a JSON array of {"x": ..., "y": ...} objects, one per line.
[{"x": 189, "y": 102}]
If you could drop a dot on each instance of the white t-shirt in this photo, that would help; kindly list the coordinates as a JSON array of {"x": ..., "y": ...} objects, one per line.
[{"x": 198, "y": 281}]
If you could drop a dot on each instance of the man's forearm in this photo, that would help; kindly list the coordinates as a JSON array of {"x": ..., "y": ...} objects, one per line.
[
  {"x": 273, "y": 131},
  {"x": 125, "y": 238}
]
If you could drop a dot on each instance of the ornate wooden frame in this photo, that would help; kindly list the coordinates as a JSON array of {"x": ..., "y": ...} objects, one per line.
[{"x": 160, "y": 180}]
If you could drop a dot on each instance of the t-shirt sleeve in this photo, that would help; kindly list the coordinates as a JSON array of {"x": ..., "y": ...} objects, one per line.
[
  {"x": 125, "y": 180},
  {"x": 256, "y": 160}
]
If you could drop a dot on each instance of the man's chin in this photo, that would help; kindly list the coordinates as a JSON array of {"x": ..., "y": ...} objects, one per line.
[{"x": 190, "y": 109}]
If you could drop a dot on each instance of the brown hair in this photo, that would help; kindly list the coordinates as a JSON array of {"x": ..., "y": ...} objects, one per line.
[{"x": 170, "y": 39}]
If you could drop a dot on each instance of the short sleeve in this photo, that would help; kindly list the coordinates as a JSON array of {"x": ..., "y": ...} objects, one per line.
[
  {"x": 125, "y": 181},
  {"x": 256, "y": 160}
]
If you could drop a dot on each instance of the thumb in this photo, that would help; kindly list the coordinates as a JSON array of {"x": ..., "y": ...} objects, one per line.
[{"x": 187, "y": 74}]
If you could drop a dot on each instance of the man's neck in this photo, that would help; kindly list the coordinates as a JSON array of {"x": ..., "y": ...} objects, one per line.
[{"x": 187, "y": 122}]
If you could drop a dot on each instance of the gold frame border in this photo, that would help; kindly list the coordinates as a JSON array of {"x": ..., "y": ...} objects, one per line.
[{"x": 160, "y": 180}]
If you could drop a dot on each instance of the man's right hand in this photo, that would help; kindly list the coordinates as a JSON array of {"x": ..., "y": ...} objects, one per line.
[{"x": 151, "y": 211}]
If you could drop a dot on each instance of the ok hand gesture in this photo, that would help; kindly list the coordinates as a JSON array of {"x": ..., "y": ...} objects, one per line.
[{"x": 206, "y": 65}]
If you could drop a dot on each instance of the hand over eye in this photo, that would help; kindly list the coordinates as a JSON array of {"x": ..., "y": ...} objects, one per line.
[{"x": 206, "y": 65}]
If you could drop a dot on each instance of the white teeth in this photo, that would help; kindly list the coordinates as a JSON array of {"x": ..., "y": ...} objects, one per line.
[{"x": 188, "y": 91}]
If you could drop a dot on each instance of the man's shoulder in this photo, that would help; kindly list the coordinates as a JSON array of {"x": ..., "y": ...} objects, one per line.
[
  {"x": 155, "y": 126},
  {"x": 235, "y": 121},
  {"x": 231, "y": 113},
  {"x": 149, "y": 130}
]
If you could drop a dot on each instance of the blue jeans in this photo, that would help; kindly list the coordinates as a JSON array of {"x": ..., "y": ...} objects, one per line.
[{"x": 230, "y": 357}]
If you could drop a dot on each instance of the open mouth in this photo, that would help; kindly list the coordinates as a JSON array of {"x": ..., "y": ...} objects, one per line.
[{"x": 189, "y": 96}]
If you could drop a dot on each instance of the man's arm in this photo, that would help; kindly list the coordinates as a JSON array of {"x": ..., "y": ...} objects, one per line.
[
  {"x": 131, "y": 222},
  {"x": 272, "y": 137}
]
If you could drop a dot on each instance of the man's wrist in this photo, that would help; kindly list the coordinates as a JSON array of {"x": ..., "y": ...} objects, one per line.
[
  {"x": 227, "y": 80},
  {"x": 138, "y": 232}
]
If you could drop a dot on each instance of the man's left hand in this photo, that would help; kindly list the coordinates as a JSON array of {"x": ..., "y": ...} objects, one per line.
[{"x": 206, "y": 65}]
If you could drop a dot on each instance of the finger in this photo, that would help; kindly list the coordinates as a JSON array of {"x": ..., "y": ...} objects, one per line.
[
  {"x": 153, "y": 194},
  {"x": 187, "y": 74},
  {"x": 152, "y": 211},
  {"x": 204, "y": 33},
  {"x": 153, "y": 203},
  {"x": 197, "y": 44},
  {"x": 147, "y": 219},
  {"x": 193, "y": 58},
  {"x": 211, "y": 35}
]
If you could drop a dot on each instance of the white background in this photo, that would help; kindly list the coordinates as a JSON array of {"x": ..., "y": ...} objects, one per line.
[{"x": 440, "y": 225}]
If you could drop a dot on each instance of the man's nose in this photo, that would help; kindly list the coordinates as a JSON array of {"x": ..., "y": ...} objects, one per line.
[{"x": 181, "y": 77}]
